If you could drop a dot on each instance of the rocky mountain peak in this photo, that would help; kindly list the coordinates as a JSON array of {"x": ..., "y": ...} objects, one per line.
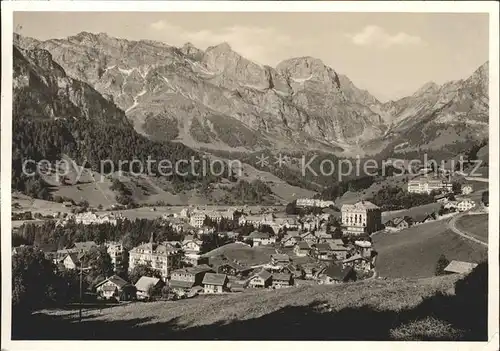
[
  {"x": 302, "y": 67},
  {"x": 189, "y": 49},
  {"x": 24, "y": 42},
  {"x": 480, "y": 76},
  {"x": 42, "y": 89},
  {"x": 427, "y": 88},
  {"x": 219, "y": 97},
  {"x": 222, "y": 47},
  {"x": 84, "y": 36},
  {"x": 302, "y": 70}
]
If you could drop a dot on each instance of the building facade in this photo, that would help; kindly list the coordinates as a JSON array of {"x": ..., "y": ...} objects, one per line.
[
  {"x": 314, "y": 203},
  {"x": 115, "y": 251},
  {"x": 425, "y": 185},
  {"x": 161, "y": 257},
  {"x": 192, "y": 248},
  {"x": 197, "y": 219},
  {"x": 360, "y": 218}
]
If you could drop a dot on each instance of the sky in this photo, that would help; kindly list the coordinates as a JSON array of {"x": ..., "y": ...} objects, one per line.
[{"x": 389, "y": 54}]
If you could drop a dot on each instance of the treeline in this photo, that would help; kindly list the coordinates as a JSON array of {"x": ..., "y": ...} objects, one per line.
[
  {"x": 396, "y": 198},
  {"x": 338, "y": 189},
  {"x": 292, "y": 209},
  {"x": 291, "y": 172},
  {"x": 131, "y": 233},
  {"x": 255, "y": 192},
  {"x": 89, "y": 142},
  {"x": 38, "y": 283}
]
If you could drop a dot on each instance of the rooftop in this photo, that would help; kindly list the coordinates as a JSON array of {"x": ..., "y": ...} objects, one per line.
[
  {"x": 360, "y": 206},
  {"x": 258, "y": 235},
  {"x": 460, "y": 267},
  {"x": 303, "y": 245},
  {"x": 280, "y": 257},
  {"x": 282, "y": 276},
  {"x": 145, "y": 282},
  {"x": 264, "y": 274},
  {"x": 323, "y": 246},
  {"x": 363, "y": 243},
  {"x": 84, "y": 245},
  {"x": 180, "y": 284},
  {"x": 354, "y": 258},
  {"x": 118, "y": 281},
  {"x": 337, "y": 272},
  {"x": 214, "y": 279},
  {"x": 234, "y": 265}
]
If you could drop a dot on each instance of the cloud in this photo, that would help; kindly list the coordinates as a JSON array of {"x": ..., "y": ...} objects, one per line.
[
  {"x": 377, "y": 37},
  {"x": 159, "y": 25},
  {"x": 261, "y": 44}
]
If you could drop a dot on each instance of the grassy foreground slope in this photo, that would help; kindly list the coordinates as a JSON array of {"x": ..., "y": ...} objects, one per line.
[
  {"x": 436, "y": 308},
  {"x": 414, "y": 252},
  {"x": 475, "y": 225}
]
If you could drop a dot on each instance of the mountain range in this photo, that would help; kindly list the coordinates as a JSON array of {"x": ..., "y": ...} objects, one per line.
[{"x": 217, "y": 99}]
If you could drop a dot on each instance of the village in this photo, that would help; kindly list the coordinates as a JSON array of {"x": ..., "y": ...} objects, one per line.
[{"x": 323, "y": 246}]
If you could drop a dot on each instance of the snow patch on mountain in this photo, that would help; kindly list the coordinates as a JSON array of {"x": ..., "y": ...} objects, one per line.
[
  {"x": 126, "y": 71},
  {"x": 136, "y": 103},
  {"x": 302, "y": 80}
]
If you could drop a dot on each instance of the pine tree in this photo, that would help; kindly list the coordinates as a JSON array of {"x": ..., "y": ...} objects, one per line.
[{"x": 441, "y": 265}]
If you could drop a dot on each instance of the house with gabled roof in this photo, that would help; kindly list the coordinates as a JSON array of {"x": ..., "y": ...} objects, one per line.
[
  {"x": 183, "y": 279},
  {"x": 278, "y": 259},
  {"x": 143, "y": 286},
  {"x": 338, "y": 242},
  {"x": 237, "y": 285},
  {"x": 191, "y": 245},
  {"x": 260, "y": 238},
  {"x": 290, "y": 241},
  {"x": 340, "y": 252},
  {"x": 262, "y": 279},
  {"x": 282, "y": 280},
  {"x": 322, "y": 236},
  {"x": 116, "y": 287},
  {"x": 322, "y": 251},
  {"x": 192, "y": 248},
  {"x": 214, "y": 283},
  {"x": 364, "y": 248},
  {"x": 292, "y": 233},
  {"x": 336, "y": 274},
  {"x": 296, "y": 272},
  {"x": 71, "y": 261},
  {"x": 398, "y": 223},
  {"x": 309, "y": 238},
  {"x": 302, "y": 249},
  {"x": 233, "y": 269},
  {"x": 423, "y": 218},
  {"x": 358, "y": 262},
  {"x": 312, "y": 269}
]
